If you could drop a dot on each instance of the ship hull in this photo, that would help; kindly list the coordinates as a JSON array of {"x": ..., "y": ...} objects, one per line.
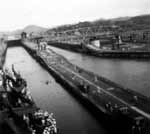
[{"x": 91, "y": 50}]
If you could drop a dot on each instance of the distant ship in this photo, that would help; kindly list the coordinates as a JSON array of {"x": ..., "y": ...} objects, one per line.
[{"x": 114, "y": 48}]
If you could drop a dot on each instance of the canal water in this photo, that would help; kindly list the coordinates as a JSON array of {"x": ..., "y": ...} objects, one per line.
[
  {"x": 71, "y": 116},
  {"x": 133, "y": 74}
]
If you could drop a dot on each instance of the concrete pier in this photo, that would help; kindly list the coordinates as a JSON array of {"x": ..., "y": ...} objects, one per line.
[{"x": 87, "y": 49}]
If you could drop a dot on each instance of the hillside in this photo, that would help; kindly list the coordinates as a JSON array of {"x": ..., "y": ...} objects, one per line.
[
  {"x": 29, "y": 29},
  {"x": 137, "y": 22},
  {"x": 34, "y": 28},
  {"x": 76, "y": 32}
]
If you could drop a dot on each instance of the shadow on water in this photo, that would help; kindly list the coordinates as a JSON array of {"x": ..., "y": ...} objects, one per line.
[{"x": 71, "y": 115}]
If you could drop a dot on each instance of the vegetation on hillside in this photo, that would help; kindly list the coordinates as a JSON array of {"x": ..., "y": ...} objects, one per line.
[{"x": 126, "y": 26}]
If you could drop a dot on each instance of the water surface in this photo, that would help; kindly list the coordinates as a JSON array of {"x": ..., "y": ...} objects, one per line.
[{"x": 71, "y": 116}]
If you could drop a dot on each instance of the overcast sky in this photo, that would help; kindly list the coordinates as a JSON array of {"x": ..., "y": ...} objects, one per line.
[{"x": 17, "y": 14}]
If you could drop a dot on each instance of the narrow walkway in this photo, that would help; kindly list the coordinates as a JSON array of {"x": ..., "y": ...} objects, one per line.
[{"x": 61, "y": 67}]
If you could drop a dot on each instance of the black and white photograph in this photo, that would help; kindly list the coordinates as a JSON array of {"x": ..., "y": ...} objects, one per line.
[{"x": 74, "y": 66}]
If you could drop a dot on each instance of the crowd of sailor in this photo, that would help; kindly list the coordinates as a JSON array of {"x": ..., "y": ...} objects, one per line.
[
  {"x": 14, "y": 93},
  {"x": 41, "y": 122},
  {"x": 14, "y": 87}
]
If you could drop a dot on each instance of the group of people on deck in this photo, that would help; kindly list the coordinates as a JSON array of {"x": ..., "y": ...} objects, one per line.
[{"x": 15, "y": 87}]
